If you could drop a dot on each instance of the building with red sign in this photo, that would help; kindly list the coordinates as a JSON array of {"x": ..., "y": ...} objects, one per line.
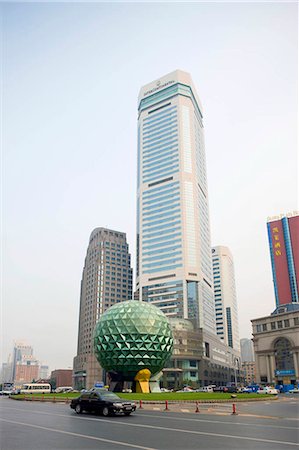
[{"x": 283, "y": 234}]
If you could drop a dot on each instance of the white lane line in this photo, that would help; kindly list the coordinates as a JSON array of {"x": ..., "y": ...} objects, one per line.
[
  {"x": 85, "y": 436},
  {"x": 185, "y": 410},
  {"x": 189, "y": 419},
  {"x": 179, "y": 430},
  {"x": 156, "y": 409}
]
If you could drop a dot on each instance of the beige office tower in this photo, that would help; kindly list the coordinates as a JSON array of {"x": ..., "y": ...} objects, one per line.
[
  {"x": 106, "y": 280},
  {"x": 174, "y": 267},
  {"x": 226, "y": 309}
]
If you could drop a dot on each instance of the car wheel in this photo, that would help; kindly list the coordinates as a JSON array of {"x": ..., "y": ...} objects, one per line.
[
  {"x": 105, "y": 411},
  {"x": 78, "y": 408},
  {"x": 127, "y": 413}
]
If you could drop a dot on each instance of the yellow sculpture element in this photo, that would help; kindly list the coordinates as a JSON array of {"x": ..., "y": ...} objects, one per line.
[{"x": 142, "y": 381}]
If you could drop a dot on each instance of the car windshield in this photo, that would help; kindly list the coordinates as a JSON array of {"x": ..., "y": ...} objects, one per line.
[{"x": 109, "y": 396}]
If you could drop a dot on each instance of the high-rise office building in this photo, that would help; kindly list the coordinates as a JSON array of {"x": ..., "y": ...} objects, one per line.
[
  {"x": 226, "y": 310},
  {"x": 25, "y": 367},
  {"x": 106, "y": 280},
  {"x": 43, "y": 371},
  {"x": 174, "y": 269},
  {"x": 247, "y": 352},
  {"x": 283, "y": 235},
  {"x": 21, "y": 352}
]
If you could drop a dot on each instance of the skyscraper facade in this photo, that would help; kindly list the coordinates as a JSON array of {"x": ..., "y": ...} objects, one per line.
[
  {"x": 226, "y": 310},
  {"x": 247, "y": 352},
  {"x": 106, "y": 280},
  {"x": 283, "y": 235},
  {"x": 25, "y": 366},
  {"x": 174, "y": 269}
]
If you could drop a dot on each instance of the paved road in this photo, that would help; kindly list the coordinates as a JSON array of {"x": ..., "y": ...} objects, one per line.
[{"x": 44, "y": 426}]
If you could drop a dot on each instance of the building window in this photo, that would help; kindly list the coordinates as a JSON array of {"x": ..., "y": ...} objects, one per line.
[
  {"x": 283, "y": 355},
  {"x": 287, "y": 323},
  {"x": 207, "y": 349},
  {"x": 264, "y": 327},
  {"x": 273, "y": 325},
  {"x": 296, "y": 320},
  {"x": 279, "y": 324},
  {"x": 258, "y": 328}
]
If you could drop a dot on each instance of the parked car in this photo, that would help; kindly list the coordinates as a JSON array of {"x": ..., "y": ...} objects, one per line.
[
  {"x": 186, "y": 389},
  {"x": 205, "y": 389},
  {"x": 102, "y": 401},
  {"x": 268, "y": 390},
  {"x": 247, "y": 390},
  {"x": 294, "y": 391},
  {"x": 220, "y": 389},
  {"x": 232, "y": 389},
  {"x": 15, "y": 391},
  {"x": 62, "y": 389}
]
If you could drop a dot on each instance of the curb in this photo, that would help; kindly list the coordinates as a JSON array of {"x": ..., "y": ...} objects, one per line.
[{"x": 157, "y": 402}]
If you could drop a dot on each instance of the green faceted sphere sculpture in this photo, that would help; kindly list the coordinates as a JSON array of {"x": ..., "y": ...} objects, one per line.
[{"x": 131, "y": 336}]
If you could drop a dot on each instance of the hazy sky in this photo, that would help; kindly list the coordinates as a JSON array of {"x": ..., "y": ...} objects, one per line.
[{"x": 71, "y": 76}]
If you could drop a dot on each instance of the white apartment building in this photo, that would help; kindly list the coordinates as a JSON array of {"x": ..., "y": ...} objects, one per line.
[
  {"x": 174, "y": 267},
  {"x": 226, "y": 311}
]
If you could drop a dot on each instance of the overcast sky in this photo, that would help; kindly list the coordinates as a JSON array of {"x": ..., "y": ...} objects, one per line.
[{"x": 71, "y": 77}]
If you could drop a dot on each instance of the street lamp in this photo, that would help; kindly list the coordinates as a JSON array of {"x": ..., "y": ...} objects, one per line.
[{"x": 236, "y": 365}]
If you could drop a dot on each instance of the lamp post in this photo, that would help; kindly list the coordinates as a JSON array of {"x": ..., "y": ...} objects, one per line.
[{"x": 236, "y": 365}]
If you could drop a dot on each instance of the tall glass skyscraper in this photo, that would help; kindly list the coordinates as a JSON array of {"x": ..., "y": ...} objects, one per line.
[
  {"x": 226, "y": 309},
  {"x": 174, "y": 269},
  {"x": 283, "y": 235}
]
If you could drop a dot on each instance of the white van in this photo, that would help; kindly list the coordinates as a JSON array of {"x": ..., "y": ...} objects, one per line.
[
  {"x": 205, "y": 389},
  {"x": 35, "y": 388},
  {"x": 63, "y": 389}
]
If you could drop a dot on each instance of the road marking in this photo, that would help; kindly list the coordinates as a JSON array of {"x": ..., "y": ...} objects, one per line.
[
  {"x": 185, "y": 410},
  {"x": 85, "y": 436},
  {"x": 167, "y": 417},
  {"x": 179, "y": 430},
  {"x": 156, "y": 409}
]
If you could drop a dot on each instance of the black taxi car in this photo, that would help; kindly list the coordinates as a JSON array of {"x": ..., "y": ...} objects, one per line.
[{"x": 102, "y": 401}]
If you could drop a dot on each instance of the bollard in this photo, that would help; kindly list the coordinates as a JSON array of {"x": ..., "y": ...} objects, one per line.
[
  {"x": 197, "y": 408},
  {"x": 234, "y": 409},
  {"x": 166, "y": 406},
  {"x": 54, "y": 399},
  {"x": 140, "y": 404}
]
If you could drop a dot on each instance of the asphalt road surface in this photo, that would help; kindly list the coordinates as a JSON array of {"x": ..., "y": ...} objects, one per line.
[{"x": 46, "y": 426}]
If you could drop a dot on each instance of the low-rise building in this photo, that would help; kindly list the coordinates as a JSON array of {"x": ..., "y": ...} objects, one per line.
[
  {"x": 248, "y": 368},
  {"x": 61, "y": 377},
  {"x": 200, "y": 358},
  {"x": 276, "y": 346}
]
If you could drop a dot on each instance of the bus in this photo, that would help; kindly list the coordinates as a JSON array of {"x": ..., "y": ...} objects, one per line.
[{"x": 35, "y": 388}]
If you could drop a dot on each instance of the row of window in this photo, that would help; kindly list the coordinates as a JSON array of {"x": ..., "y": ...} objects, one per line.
[
  {"x": 278, "y": 324},
  {"x": 157, "y": 117},
  {"x": 157, "y": 135},
  {"x": 159, "y": 122}
]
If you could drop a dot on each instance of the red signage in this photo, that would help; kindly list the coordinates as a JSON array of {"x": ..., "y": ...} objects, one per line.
[
  {"x": 294, "y": 233},
  {"x": 280, "y": 263}
]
